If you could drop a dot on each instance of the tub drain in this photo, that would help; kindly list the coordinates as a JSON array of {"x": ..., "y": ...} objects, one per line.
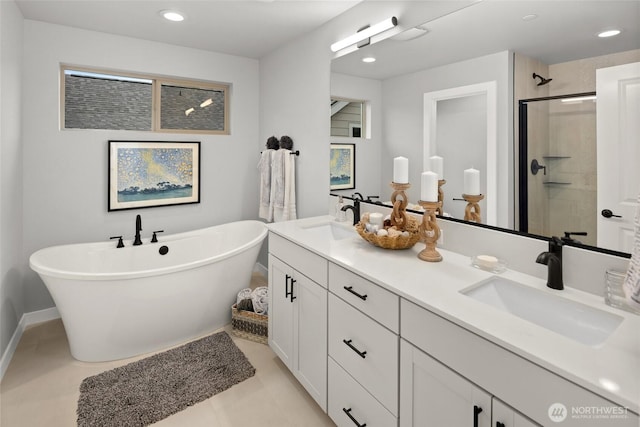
[{"x": 163, "y": 250}]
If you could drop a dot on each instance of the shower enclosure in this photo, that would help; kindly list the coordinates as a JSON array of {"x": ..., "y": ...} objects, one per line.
[{"x": 557, "y": 166}]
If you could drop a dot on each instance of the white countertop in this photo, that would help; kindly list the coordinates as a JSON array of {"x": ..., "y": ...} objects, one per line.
[{"x": 611, "y": 370}]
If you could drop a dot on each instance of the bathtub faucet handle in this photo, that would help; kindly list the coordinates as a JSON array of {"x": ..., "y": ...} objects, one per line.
[
  {"x": 154, "y": 238},
  {"x": 120, "y": 242}
]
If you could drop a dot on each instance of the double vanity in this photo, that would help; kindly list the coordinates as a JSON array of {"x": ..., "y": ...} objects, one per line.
[{"x": 381, "y": 338}]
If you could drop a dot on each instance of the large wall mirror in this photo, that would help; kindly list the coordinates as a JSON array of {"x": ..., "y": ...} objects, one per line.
[{"x": 505, "y": 43}]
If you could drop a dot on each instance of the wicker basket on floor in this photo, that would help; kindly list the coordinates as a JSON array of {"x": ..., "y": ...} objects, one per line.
[{"x": 249, "y": 325}]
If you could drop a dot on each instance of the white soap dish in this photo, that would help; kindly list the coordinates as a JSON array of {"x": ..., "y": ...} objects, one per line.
[{"x": 489, "y": 263}]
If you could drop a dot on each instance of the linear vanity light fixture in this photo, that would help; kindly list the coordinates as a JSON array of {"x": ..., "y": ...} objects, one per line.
[{"x": 366, "y": 33}]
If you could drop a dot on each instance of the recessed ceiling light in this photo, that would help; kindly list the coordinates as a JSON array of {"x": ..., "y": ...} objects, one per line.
[
  {"x": 529, "y": 17},
  {"x": 368, "y": 59},
  {"x": 172, "y": 15},
  {"x": 608, "y": 33}
]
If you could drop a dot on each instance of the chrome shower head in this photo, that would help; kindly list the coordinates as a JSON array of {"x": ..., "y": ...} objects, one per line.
[{"x": 543, "y": 81}]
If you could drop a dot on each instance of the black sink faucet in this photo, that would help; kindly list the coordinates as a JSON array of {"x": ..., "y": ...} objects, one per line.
[
  {"x": 137, "y": 241},
  {"x": 553, "y": 260},
  {"x": 356, "y": 210}
]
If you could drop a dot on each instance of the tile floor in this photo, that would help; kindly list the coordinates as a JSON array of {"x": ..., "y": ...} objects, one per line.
[{"x": 41, "y": 388}]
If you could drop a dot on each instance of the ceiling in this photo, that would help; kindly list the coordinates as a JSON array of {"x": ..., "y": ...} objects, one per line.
[
  {"x": 241, "y": 27},
  {"x": 564, "y": 30}
]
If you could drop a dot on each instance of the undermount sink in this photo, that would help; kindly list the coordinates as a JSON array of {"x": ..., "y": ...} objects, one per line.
[
  {"x": 580, "y": 322},
  {"x": 337, "y": 231}
]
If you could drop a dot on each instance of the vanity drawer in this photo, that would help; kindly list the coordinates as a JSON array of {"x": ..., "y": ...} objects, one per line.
[
  {"x": 347, "y": 397},
  {"x": 366, "y": 296},
  {"x": 306, "y": 262},
  {"x": 366, "y": 350}
]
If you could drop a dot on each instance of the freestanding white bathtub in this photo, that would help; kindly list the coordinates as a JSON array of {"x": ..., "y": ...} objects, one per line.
[{"x": 121, "y": 302}]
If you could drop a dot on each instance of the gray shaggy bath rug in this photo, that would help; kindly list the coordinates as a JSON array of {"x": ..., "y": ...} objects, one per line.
[{"x": 151, "y": 389}]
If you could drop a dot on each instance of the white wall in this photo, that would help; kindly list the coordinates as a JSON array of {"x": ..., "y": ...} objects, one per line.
[
  {"x": 65, "y": 172},
  {"x": 367, "y": 149},
  {"x": 12, "y": 304},
  {"x": 295, "y": 89},
  {"x": 403, "y": 119}
]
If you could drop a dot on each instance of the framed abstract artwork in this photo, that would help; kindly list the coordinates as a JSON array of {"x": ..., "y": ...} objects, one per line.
[
  {"x": 343, "y": 166},
  {"x": 145, "y": 174}
]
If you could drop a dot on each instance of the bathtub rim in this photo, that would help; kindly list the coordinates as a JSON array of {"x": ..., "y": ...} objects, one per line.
[{"x": 70, "y": 275}]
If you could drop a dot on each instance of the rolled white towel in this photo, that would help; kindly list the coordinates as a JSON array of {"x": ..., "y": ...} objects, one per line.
[
  {"x": 260, "y": 299},
  {"x": 243, "y": 294}
]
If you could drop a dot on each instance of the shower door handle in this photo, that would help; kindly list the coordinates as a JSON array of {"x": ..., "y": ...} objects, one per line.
[{"x": 608, "y": 214}]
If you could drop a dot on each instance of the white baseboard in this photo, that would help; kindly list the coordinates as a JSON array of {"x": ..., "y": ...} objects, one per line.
[{"x": 26, "y": 320}]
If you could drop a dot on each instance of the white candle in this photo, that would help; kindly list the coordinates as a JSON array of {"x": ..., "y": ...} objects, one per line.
[
  {"x": 436, "y": 164},
  {"x": 401, "y": 170},
  {"x": 472, "y": 182},
  {"x": 429, "y": 187}
]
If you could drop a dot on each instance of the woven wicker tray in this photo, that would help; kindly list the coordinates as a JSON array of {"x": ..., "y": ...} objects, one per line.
[{"x": 397, "y": 242}]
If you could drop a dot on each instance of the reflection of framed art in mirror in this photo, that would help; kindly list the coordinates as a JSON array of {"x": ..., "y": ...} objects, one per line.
[{"x": 343, "y": 166}]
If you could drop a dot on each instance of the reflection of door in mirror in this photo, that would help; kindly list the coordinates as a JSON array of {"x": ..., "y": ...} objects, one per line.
[
  {"x": 618, "y": 154},
  {"x": 460, "y": 126},
  {"x": 347, "y": 118},
  {"x": 461, "y": 140}
]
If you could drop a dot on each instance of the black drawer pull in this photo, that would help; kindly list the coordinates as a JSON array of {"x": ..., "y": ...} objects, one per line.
[
  {"x": 476, "y": 412},
  {"x": 348, "y": 412},
  {"x": 286, "y": 286},
  {"x": 362, "y": 354},
  {"x": 288, "y": 294},
  {"x": 350, "y": 289},
  {"x": 499, "y": 424}
]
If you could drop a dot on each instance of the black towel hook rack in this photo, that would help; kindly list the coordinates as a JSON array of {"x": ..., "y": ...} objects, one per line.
[{"x": 294, "y": 153}]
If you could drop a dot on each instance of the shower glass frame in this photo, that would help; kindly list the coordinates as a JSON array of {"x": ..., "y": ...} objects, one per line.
[{"x": 523, "y": 158}]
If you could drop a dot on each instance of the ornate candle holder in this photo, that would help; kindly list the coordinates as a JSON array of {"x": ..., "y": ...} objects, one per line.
[
  {"x": 472, "y": 211},
  {"x": 400, "y": 201},
  {"x": 430, "y": 231},
  {"x": 441, "y": 182}
]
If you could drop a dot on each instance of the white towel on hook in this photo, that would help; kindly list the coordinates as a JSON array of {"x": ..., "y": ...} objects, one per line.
[
  {"x": 265, "y": 209},
  {"x": 283, "y": 186}
]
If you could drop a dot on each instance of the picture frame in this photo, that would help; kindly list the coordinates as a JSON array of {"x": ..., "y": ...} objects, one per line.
[
  {"x": 342, "y": 167},
  {"x": 145, "y": 174}
]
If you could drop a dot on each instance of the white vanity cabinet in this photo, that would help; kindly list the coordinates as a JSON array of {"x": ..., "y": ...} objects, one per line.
[
  {"x": 508, "y": 377},
  {"x": 375, "y": 349},
  {"x": 433, "y": 395},
  {"x": 363, "y": 352},
  {"x": 298, "y": 314},
  {"x": 505, "y": 416}
]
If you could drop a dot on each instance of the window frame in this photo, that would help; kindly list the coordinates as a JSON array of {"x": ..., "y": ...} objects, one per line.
[
  {"x": 156, "y": 86},
  {"x": 363, "y": 118}
]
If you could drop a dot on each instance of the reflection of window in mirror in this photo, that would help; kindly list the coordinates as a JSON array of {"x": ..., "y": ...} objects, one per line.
[{"x": 348, "y": 118}]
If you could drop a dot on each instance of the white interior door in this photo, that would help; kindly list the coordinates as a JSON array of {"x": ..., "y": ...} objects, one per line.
[{"x": 618, "y": 142}]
